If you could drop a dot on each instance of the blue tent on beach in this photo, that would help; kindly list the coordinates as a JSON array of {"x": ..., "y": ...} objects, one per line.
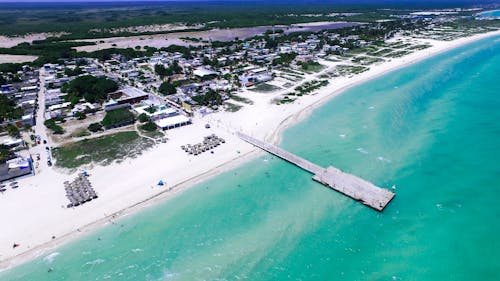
[{"x": 161, "y": 183}]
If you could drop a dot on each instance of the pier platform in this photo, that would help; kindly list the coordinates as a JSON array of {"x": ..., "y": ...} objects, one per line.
[{"x": 347, "y": 184}]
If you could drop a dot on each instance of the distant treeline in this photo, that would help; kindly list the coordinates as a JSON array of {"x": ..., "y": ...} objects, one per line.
[
  {"x": 79, "y": 19},
  {"x": 52, "y": 50}
]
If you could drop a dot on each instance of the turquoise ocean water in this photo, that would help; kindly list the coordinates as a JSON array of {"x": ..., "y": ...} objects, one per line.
[
  {"x": 490, "y": 14},
  {"x": 432, "y": 129}
]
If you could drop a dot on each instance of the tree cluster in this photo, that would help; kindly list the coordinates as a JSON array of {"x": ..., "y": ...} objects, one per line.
[
  {"x": 163, "y": 71},
  {"x": 92, "y": 89},
  {"x": 5, "y": 153},
  {"x": 117, "y": 118},
  {"x": 285, "y": 59},
  {"x": 211, "y": 98},
  {"x": 167, "y": 88},
  {"x": 51, "y": 124},
  {"x": 9, "y": 109}
]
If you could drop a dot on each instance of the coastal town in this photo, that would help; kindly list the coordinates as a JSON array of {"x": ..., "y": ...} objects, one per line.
[{"x": 170, "y": 115}]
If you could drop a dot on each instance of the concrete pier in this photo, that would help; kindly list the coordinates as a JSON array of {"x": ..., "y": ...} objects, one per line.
[{"x": 347, "y": 184}]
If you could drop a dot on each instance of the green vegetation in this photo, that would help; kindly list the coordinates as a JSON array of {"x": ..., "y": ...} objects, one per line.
[
  {"x": 8, "y": 109},
  {"x": 98, "y": 19},
  {"x": 11, "y": 67},
  {"x": 285, "y": 59},
  {"x": 150, "y": 109},
  {"x": 264, "y": 88},
  {"x": 312, "y": 66},
  {"x": 166, "y": 88},
  {"x": 366, "y": 60},
  {"x": 106, "y": 54},
  {"x": 192, "y": 39},
  {"x": 48, "y": 51},
  {"x": 397, "y": 54},
  {"x": 79, "y": 133},
  {"x": 90, "y": 88},
  {"x": 12, "y": 130},
  {"x": 381, "y": 52},
  {"x": 80, "y": 115},
  {"x": 73, "y": 72},
  {"x": 103, "y": 150},
  {"x": 211, "y": 98},
  {"x": 143, "y": 118},
  {"x": 149, "y": 127},
  {"x": 284, "y": 100},
  {"x": 51, "y": 124},
  {"x": 5, "y": 154},
  {"x": 95, "y": 127},
  {"x": 345, "y": 70},
  {"x": 240, "y": 99},
  {"x": 163, "y": 71},
  {"x": 418, "y": 47},
  {"x": 231, "y": 107},
  {"x": 309, "y": 87},
  {"x": 117, "y": 118}
]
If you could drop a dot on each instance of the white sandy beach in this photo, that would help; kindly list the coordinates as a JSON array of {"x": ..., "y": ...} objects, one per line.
[{"x": 33, "y": 213}]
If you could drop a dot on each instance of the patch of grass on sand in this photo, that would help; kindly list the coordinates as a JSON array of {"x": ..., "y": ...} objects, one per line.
[
  {"x": 397, "y": 54},
  {"x": 231, "y": 107},
  {"x": 81, "y": 132},
  {"x": 366, "y": 60},
  {"x": 345, "y": 70},
  {"x": 240, "y": 99},
  {"x": 312, "y": 66},
  {"x": 157, "y": 135},
  {"x": 284, "y": 100},
  {"x": 265, "y": 88},
  {"x": 102, "y": 150}
]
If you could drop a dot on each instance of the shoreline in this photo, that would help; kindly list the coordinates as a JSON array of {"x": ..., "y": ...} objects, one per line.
[{"x": 275, "y": 133}]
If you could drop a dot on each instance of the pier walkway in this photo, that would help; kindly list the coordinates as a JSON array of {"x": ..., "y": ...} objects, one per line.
[{"x": 347, "y": 184}]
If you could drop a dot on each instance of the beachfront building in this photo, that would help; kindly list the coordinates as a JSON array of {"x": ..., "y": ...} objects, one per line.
[
  {"x": 164, "y": 117},
  {"x": 129, "y": 95},
  {"x": 14, "y": 168},
  {"x": 173, "y": 122}
]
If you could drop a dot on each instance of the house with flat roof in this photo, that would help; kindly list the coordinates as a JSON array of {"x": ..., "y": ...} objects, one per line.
[
  {"x": 130, "y": 95},
  {"x": 203, "y": 72},
  {"x": 173, "y": 122}
]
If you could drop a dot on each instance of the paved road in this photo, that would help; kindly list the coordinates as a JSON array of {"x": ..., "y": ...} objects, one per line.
[{"x": 40, "y": 129}]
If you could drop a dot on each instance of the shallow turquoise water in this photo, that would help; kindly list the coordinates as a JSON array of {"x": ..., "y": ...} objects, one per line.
[
  {"x": 431, "y": 129},
  {"x": 490, "y": 14}
]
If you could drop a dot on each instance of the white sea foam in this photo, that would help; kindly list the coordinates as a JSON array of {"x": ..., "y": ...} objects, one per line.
[
  {"x": 137, "y": 250},
  {"x": 51, "y": 257},
  {"x": 167, "y": 275},
  {"x": 95, "y": 262},
  {"x": 342, "y": 136},
  {"x": 362, "y": 150},
  {"x": 380, "y": 158}
]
